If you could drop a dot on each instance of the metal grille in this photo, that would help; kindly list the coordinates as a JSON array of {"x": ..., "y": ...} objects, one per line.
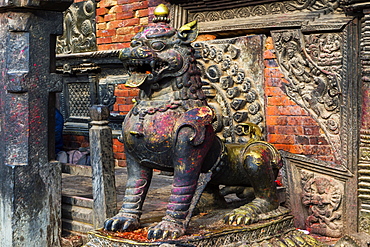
[{"x": 79, "y": 99}]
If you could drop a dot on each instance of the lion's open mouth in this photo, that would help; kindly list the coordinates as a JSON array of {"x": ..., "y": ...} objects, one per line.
[{"x": 140, "y": 69}]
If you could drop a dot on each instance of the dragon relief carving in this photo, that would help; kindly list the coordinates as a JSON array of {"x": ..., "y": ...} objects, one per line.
[
  {"x": 314, "y": 75},
  {"x": 266, "y": 9},
  {"x": 322, "y": 196},
  {"x": 233, "y": 83},
  {"x": 79, "y": 29}
]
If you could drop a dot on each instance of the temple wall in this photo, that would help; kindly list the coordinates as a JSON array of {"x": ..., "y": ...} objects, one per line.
[{"x": 307, "y": 88}]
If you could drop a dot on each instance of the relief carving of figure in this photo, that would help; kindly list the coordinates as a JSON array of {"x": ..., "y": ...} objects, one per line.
[
  {"x": 323, "y": 198},
  {"x": 170, "y": 129}
]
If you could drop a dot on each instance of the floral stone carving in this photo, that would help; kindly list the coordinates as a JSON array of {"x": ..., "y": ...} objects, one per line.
[
  {"x": 79, "y": 28},
  {"x": 314, "y": 75},
  {"x": 233, "y": 83}
]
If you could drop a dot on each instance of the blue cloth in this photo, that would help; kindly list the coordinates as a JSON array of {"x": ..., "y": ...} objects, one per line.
[{"x": 59, "y": 124}]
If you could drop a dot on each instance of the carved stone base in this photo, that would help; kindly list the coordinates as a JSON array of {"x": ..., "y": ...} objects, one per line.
[{"x": 274, "y": 229}]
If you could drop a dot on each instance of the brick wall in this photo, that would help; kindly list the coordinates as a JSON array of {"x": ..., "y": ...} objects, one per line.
[
  {"x": 289, "y": 126},
  {"x": 117, "y": 21}
]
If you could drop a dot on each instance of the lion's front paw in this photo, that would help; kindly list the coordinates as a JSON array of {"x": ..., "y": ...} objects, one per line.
[
  {"x": 249, "y": 213},
  {"x": 122, "y": 222},
  {"x": 166, "y": 229}
]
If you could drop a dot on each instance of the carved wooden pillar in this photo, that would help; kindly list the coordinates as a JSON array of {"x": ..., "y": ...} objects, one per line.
[
  {"x": 102, "y": 162},
  {"x": 30, "y": 188},
  {"x": 364, "y": 149}
]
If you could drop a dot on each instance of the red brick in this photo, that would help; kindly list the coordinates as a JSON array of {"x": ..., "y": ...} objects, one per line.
[
  {"x": 302, "y": 140},
  {"x": 281, "y": 139},
  {"x": 133, "y": 92},
  {"x": 107, "y": 47},
  {"x": 269, "y": 54},
  {"x": 289, "y": 130},
  {"x": 124, "y": 15},
  {"x": 101, "y": 26},
  {"x": 142, "y": 13},
  {"x": 101, "y": 11},
  {"x": 121, "y": 2},
  {"x": 107, "y": 3},
  {"x": 270, "y": 63},
  {"x": 122, "y": 45},
  {"x": 131, "y": 22},
  {"x": 124, "y": 108},
  {"x": 310, "y": 149},
  {"x": 154, "y": 3},
  {"x": 115, "y": 24},
  {"x": 121, "y": 163},
  {"x": 124, "y": 8},
  {"x": 273, "y": 91},
  {"x": 116, "y": 141},
  {"x": 99, "y": 19},
  {"x": 115, "y": 108},
  {"x": 120, "y": 156},
  {"x": 110, "y": 17},
  {"x": 124, "y": 100},
  {"x": 105, "y": 40},
  {"x": 302, "y": 121},
  {"x": 284, "y": 110},
  {"x": 280, "y": 101},
  {"x": 106, "y": 33},
  {"x": 274, "y": 82},
  {"x": 296, "y": 149},
  {"x": 315, "y": 131},
  {"x": 122, "y": 86},
  {"x": 144, "y": 21},
  {"x": 121, "y": 92},
  {"x": 140, "y": 5},
  {"x": 271, "y": 129},
  {"x": 118, "y": 148},
  {"x": 273, "y": 73},
  {"x": 269, "y": 43},
  {"x": 276, "y": 120},
  {"x": 125, "y": 30},
  {"x": 121, "y": 38}
]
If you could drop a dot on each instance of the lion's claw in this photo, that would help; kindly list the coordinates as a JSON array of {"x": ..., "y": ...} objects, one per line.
[
  {"x": 166, "y": 229},
  {"x": 248, "y": 213},
  {"x": 122, "y": 223}
]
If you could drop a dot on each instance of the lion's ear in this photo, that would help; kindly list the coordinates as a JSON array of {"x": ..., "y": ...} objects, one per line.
[{"x": 189, "y": 31}]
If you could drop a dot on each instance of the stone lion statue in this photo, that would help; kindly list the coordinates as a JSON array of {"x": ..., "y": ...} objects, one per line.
[{"x": 170, "y": 129}]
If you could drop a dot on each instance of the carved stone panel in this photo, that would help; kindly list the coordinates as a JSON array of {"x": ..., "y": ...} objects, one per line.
[
  {"x": 316, "y": 195},
  {"x": 322, "y": 197},
  {"x": 79, "y": 28},
  {"x": 313, "y": 65},
  {"x": 233, "y": 82},
  {"x": 210, "y": 13}
]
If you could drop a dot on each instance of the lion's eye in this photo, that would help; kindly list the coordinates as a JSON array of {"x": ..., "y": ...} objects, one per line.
[
  {"x": 158, "y": 45},
  {"x": 135, "y": 43}
]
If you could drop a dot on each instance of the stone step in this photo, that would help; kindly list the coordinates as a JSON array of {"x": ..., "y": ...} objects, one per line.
[
  {"x": 77, "y": 213},
  {"x": 73, "y": 225},
  {"x": 77, "y": 170},
  {"x": 77, "y": 201}
]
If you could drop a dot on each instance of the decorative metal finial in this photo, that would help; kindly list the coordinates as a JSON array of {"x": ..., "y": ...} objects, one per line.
[{"x": 161, "y": 14}]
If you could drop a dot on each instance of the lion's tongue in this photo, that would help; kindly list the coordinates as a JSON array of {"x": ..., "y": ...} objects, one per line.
[{"x": 136, "y": 79}]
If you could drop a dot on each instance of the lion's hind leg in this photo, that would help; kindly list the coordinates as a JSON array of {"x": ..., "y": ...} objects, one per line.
[{"x": 259, "y": 159}]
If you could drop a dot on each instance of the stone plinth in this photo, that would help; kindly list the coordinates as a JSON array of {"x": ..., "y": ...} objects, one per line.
[{"x": 209, "y": 230}]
